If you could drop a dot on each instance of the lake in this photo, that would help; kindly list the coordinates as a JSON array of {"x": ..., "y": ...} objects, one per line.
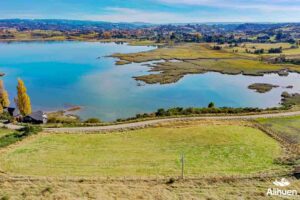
[{"x": 63, "y": 74}]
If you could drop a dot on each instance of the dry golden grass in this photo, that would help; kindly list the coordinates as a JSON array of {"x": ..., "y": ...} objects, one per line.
[{"x": 213, "y": 189}]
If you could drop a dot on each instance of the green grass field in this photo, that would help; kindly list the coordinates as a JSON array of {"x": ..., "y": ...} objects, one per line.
[
  {"x": 201, "y": 189},
  {"x": 209, "y": 150},
  {"x": 251, "y": 47},
  {"x": 180, "y": 52},
  {"x": 4, "y": 131},
  {"x": 286, "y": 127},
  {"x": 6, "y": 137}
]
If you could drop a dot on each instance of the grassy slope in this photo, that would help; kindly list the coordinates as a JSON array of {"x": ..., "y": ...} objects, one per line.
[
  {"x": 287, "y": 127},
  {"x": 209, "y": 150},
  {"x": 4, "y": 131}
]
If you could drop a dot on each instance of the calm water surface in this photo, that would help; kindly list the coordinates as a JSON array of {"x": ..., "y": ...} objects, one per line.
[{"x": 60, "y": 74}]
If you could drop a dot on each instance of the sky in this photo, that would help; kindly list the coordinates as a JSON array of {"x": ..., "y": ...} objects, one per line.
[{"x": 154, "y": 11}]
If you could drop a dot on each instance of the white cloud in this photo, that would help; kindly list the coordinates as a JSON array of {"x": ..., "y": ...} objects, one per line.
[
  {"x": 117, "y": 14},
  {"x": 262, "y": 5}
]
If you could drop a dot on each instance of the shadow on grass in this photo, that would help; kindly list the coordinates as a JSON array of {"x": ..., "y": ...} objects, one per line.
[{"x": 19, "y": 135}]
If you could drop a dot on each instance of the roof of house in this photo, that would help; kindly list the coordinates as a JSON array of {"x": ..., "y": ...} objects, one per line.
[{"x": 38, "y": 115}]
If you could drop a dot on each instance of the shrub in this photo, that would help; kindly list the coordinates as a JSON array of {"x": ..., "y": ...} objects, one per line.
[
  {"x": 160, "y": 112},
  {"x": 259, "y": 51},
  {"x": 63, "y": 119},
  {"x": 9, "y": 139},
  {"x": 29, "y": 130},
  {"x": 217, "y": 48},
  {"x": 211, "y": 109},
  {"x": 4, "y": 198},
  {"x": 46, "y": 190},
  {"x": 211, "y": 105},
  {"x": 170, "y": 181},
  {"x": 18, "y": 136},
  {"x": 275, "y": 50},
  {"x": 93, "y": 121},
  {"x": 5, "y": 116}
]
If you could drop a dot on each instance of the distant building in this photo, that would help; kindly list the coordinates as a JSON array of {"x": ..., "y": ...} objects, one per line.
[{"x": 38, "y": 117}]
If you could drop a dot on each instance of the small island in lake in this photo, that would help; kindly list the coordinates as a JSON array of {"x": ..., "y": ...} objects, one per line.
[{"x": 262, "y": 87}]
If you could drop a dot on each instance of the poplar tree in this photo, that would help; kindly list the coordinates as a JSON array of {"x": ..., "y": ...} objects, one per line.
[
  {"x": 23, "y": 100},
  {"x": 4, "y": 99}
]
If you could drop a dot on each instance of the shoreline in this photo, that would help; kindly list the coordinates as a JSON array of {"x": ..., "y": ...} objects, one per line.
[
  {"x": 159, "y": 67},
  {"x": 178, "y": 59},
  {"x": 149, "y": 122},
  {"x": 131, "y": 42}
]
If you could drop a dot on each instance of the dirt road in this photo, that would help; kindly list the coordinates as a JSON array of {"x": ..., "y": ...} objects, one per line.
[{"x": 156, "y": 121}]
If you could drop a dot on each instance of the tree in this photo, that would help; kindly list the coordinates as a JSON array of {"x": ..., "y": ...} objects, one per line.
[
  {"x": 198, "y": 37},
  {"x": 216, "y": 47},
  {"x": 173, "y": 36},
  {"x": 107, "y": 35},
  {"x": 93, "y": 121},
  {"x": 23, "y": 100},
  {"x": 160, "y": 112},
  {"x": 211, "y": 105},
  {"x": 275, "y": 50},
  {"x": 278, "y": 36},
  {"x": 4, "y": 100},
  {"x": 1, "y": 109}
]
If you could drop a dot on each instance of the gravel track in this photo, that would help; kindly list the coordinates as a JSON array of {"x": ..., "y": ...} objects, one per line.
[{"x": 142, "y": 124}]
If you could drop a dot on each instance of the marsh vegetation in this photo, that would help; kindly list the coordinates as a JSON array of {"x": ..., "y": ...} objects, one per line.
[
  {"x": 194, "y": 58},
  {"x": 262, "y": 87}
]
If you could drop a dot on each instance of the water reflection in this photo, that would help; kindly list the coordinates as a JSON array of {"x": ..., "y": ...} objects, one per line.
[{"x": 60, "y": 73}]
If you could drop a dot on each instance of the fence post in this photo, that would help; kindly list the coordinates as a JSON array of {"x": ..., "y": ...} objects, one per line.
[{"x": 182, "y": 166}]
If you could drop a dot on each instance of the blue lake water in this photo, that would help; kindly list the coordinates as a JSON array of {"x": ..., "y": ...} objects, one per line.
[{"x": 60, "y": 74}]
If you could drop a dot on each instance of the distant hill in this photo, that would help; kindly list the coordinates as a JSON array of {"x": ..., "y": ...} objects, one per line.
[
  {"x": 66, "y": 25},
  {"x": 77, "y": 25}
]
